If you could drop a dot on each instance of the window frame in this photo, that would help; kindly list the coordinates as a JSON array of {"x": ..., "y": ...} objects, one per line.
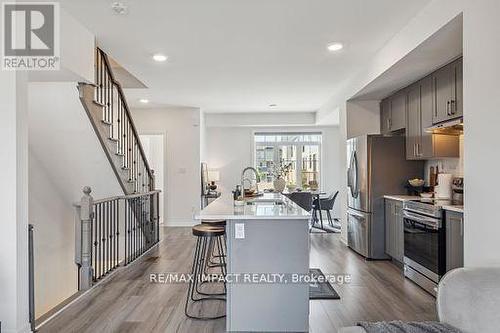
[{"x": 299, "y": 147}]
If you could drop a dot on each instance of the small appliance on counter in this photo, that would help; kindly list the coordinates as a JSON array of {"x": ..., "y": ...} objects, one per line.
[
  {"x": 443, "y": 189},
  {"x": 457, "y": 189}
]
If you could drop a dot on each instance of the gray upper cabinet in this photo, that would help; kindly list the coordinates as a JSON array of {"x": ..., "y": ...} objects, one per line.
[
  {"x": 393, "y": 113},
  {"x": 385, "y": 116},
  {"x": 454, "y": 240},
  {"x": 398, "y": 111},
  {"x": 420, "y": 144},
  {"x": 448, "y": 92},
  {"x": 394, "y": 233},
  {"x": 413, "y": 122}
]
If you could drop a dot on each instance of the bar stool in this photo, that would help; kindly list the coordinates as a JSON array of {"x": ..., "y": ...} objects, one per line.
[
  {"x": 211, "y": 246},
  {"x": 205, "y": 234}
]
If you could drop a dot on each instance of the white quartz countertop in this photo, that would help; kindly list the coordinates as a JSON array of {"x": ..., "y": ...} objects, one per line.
[
  {"x": 401, "y": 197},
  {"x": 458, "y": 209},
  {"x": 258, "y": 208}
]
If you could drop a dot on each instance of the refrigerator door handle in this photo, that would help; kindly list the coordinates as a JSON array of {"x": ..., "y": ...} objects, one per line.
[{"x": 355, "y": 193}]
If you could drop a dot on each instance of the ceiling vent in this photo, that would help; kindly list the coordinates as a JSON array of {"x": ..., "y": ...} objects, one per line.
[{"x": 119, "y": 8}]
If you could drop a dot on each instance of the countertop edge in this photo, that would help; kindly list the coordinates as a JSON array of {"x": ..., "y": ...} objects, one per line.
[
  {"x": 401, "y": 197},
  {"x": 250, "y": 217},
  {"x": 454, "y": 209}
]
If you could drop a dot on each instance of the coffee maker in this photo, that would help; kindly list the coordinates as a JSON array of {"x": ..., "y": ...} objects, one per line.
[{"x": 457, "y": 189}]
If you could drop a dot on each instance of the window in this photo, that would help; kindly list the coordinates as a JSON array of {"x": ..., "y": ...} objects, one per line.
[{"x": 299, "y": 152}]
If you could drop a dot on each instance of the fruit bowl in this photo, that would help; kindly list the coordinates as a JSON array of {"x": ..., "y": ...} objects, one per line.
[{"x": 416, "y": 182}]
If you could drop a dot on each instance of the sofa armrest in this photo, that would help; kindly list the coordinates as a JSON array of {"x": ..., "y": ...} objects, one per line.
[
  {"x": 352, "y": 329},
  {"x": 469, "y": 299}
]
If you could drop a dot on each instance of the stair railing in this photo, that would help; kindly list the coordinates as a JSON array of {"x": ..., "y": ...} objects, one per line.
[
  {"x": 113, "y": 232},
  {"x": 116, "y": 114}
]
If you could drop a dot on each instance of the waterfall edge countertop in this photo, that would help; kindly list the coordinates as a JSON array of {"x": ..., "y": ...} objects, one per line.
[{"x": 269, "y": 206}]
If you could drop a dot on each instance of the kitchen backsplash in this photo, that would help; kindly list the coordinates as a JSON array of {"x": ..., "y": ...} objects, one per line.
[{"x": 455, "y": 166}]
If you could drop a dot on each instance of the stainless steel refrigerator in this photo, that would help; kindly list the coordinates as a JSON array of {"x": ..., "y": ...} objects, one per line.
[{"x": 377, "y": 166}]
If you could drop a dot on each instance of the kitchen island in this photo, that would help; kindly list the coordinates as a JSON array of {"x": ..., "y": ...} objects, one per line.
[{"x": 268, "y": 243}]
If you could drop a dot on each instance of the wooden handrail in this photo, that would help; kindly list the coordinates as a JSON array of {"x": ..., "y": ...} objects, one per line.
[
  {"x": 121, "y": 197},
  {"x": 127, "y": 110}
]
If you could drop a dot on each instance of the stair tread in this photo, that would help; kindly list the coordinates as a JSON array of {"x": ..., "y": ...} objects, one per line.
[
  {"x": 106, "y": 122},
  {"x": 113, "y": 139},
  {"x": 98, "y": 103}
]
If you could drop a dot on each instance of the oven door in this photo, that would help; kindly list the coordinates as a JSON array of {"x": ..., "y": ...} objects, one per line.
[{"x": 424, "y": 244}]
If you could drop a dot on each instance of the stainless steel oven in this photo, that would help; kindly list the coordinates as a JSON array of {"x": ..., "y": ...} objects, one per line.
[{"x": 424, "y": 244}]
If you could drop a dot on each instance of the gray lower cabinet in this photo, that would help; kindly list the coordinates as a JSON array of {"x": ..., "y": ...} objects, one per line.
[
  {"x": 448, "y": 92},
  {"x": 454, "y": 240},
  {"x": 394, "y": 233}
]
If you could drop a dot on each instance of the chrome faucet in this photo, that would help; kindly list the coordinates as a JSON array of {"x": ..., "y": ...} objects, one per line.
[{"x": 243, "y": 179}]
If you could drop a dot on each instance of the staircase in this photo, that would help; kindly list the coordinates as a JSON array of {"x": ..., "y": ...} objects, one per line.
[
  {"x": 110, "y": 116},
  {"x": 115, "y": 231}
]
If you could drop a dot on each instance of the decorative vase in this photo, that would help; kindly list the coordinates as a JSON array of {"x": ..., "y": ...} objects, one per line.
[{"x": 279, "y": 184}]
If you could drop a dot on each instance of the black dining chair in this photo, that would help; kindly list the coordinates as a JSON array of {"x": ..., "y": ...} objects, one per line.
[
  {"x": 324, "y": 204},
  {"x": 303, "y": 199}
]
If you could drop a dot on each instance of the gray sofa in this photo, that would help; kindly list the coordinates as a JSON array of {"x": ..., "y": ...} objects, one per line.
[{"x": 468, "y": 299}]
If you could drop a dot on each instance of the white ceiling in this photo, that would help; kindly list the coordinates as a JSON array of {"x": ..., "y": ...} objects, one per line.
[{"x": 241, "y": 56}]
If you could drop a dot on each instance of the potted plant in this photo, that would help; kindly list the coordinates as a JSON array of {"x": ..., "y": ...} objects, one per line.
[{"x": 280, "y": 172}]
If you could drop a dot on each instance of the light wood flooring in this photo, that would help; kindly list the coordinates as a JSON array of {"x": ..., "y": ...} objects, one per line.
[{"x": 128, "y": 302}]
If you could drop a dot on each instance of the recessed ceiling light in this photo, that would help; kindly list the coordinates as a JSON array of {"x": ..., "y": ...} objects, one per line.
[
  {"x": 272, "y": 105},
  {"x": 159, "y": 57},
  {"x": 144, "y": 101},
  {"x": 335, "y": 47}
]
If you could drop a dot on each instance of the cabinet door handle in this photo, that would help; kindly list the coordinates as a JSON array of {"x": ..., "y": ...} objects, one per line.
[
  {"x": 435, "y": 97},
  {"x": 418, "y": 149},
  {"x": 461, "y": 227},
  {"x": 448, "y": 108},
  {"x": 388, "y": 123},
  {"x": 414, "y": 149},
  {"x": 453, "y": 107}
]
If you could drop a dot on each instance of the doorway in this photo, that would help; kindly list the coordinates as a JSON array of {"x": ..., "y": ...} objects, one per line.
[{"x": 154, "y": 148}]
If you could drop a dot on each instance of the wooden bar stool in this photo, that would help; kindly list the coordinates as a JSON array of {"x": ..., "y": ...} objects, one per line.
[
  {"x": 210, "y": 263},
  {"x": 205, "y": 235}
]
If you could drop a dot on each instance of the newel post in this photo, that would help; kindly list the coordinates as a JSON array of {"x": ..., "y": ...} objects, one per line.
[{"x": 86, "y": 216}]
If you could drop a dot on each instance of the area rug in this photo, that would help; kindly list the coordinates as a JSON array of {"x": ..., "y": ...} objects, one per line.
[{"x": 321, "y": 290}]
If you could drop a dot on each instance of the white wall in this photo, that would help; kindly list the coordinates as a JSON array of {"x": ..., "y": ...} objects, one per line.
[
  {"x": 481, "y": 117},
  {"x": 77, "y": 45},
  {"x": 181, "y": 127},
  {"x": 13, "y": 198},
  {"x": 65, "y": 155},
  {"x": 363, "y": 117},
  {"x": 260, "y": 119},
  {"x": 231, "y": 149}
]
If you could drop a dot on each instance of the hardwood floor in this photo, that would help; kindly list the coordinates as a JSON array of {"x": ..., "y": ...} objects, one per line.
[{"x": 128, "y": 302}]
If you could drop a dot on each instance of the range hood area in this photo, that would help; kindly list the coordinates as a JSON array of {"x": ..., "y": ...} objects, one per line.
[{"x": 451, "y": 127}]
